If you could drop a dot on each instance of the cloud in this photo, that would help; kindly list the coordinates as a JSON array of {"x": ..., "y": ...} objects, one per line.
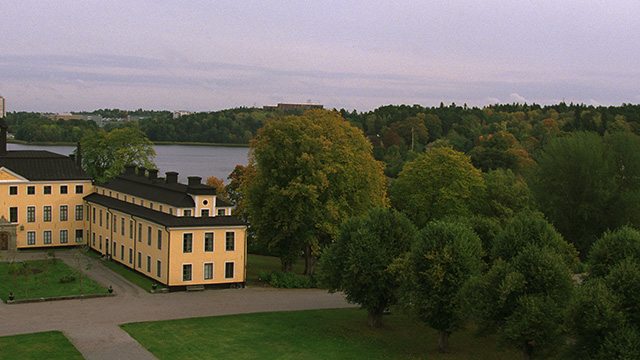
[{"x": 517, "y": 98}]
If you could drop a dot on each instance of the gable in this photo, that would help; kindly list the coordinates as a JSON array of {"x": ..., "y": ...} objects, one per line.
[{"x": 7, "y": 175}]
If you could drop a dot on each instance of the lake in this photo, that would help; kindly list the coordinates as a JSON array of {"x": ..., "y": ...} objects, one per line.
[{"x": 187, "y": 160}]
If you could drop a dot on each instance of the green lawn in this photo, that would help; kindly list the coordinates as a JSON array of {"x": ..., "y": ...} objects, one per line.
[
  {"x": 37, "y": 346},
  {"x": 42, "y": 278},
  {"x": 126, "y": 272},
  {"x": 315, "y": 334}
]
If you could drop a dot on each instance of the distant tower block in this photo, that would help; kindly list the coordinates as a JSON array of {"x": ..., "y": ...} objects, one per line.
[{"x": 3, "y": 109}]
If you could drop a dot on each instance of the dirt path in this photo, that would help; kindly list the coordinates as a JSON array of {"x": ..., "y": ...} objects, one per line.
[{"x": 92, "y": 324}]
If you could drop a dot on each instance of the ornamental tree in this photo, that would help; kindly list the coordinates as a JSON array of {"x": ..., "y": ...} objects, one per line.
[
  {"x": 359, "y": 261},
  {"x": 309, "y": 173}
]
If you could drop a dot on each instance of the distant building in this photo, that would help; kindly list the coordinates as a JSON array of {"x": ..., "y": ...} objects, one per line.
[
  {"x": 3, "y": 110},
  {"x": 96, "y": 118},
  {"x": 283, "y": 106},
  {"x": 178, "y": 113},
  {"x": 56, "y": 117}
]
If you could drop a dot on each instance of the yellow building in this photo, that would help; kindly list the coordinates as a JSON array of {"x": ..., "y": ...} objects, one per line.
[
  {"x": 177, "y": 234},
  {"x": 41, "y": 198}
]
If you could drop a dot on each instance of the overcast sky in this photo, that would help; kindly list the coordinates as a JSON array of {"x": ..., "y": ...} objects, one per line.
[{"x": 209, "y": 55}]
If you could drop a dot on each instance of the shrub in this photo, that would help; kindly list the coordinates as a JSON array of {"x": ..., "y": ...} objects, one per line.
[
  {"x": 288, "y": 280},
  {"x": 67, "y": 279}
]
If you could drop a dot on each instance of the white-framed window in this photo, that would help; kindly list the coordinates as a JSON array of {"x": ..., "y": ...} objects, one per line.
[
  {"x": 79, "y": 236},
  {"x": 229, "y": 269},
  {"x": 115, "y": 223},
  {"x": 204, "y": 212},
  {"x": 93, "y": 240},
  {"x": 149, "y": 235},
  {"x": 122, "y": 226},
  {"x": 230, "y": 241},
  {"x": 131, "y": 256},
  {"x": 46, "y": 190},
  {"x": 186, "y": 212},
  {"x": 208, "y": 271},
  {"x": 79, "y": 189},
  {"x": 130, "y": 229},
  {"x": 13, "y": 190},
  {"x": 64, "y": 212},
  {"x": 79, "y": 213},
  {"x": 46, "y": 237},
  {"x": 221, "y": 212},
  {"x": 139, "y": 232},
  {"x": 121, "y": 252},
  {"x": 186, "y": 272},
  {"x": 100, "y": 218},
  {"x": 31, "y": 214},
  {"x": 31, "y": 190},
  {"x": 46, "y": 213},
  {"x": 31, "y": 237},
  {"x": 159, "y": 238},
  {"x": 158, "y": 268},
  {"x": 187, "y": 242},
  {"x": 139, "y": 259},
  {"x": 149, "y": 264},
  {"x": 107, "y": 220},
  {"x": 100, "y": 242},
  {"x": 64, "y": 236},
  {"x": 208, "y": 241},
  {"x": 64, "y": 189},
  {"x": 13, "y": 214}
]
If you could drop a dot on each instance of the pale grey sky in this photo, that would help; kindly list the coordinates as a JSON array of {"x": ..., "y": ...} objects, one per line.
[{"x": 211, "y": 55}]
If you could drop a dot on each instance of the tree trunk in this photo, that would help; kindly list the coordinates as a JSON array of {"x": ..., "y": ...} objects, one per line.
[
  {"x": 374, "y": 318},
  {"x": 285, "y": 265},
  {"x": 527, "y": 351},
  {"x": 443, "y": 342},
  {"x": 309, "y": 261}
]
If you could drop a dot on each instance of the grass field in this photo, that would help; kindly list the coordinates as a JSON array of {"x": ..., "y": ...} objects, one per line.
[
  {"x": 44, "y": 345},
  {"x": 257, "y": 263},
  {"x": 131, "y": 275},
  {"x": 42, "y": 278},
  {"x": 315, "y": 334}
]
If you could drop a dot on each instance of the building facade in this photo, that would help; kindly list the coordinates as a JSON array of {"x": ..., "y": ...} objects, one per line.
[{"x": 177, "y": 234}]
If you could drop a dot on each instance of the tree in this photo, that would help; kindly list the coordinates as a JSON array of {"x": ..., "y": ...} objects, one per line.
[
  {"x": 358, "y": 263},
  {"x": 439, "y": 183},
  {"x": 309, "y": 172},
  {"x": 506, "y": 195},
  {"x": 612, "y": 248},
  {"x": 586, "y": 185},
  {"x": 104, "y": 155},
  {"x": 443, "y": 257},
  {"x": 219, "y": 186}
]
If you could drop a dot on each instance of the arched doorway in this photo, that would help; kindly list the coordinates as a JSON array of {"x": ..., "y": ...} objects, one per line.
[{"x": 4, "y": 241}]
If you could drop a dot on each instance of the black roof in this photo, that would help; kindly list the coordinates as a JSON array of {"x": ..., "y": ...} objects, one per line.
[
  {"x": 38, "y": 165},
  {"x": 154, "y": 190},
  {"x": 160, "y": 217}
]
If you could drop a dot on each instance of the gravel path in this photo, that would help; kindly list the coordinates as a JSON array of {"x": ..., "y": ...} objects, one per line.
[{"x": 92, "y": 324}]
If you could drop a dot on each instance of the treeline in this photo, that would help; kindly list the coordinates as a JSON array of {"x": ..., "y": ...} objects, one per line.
[{"x": 34, "y": 127}]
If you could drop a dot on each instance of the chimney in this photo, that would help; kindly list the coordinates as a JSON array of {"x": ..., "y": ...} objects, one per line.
[
  {"x": 129, "y": 169},
  {"x": 153, "y": 174},
  {"x": 172, "y": 177},
  {"x": 194, "y": 180},
  {"x": 141, "y": 171},
  {"x": 79, "y": 156},
  {"x": 3, "y": 137}
]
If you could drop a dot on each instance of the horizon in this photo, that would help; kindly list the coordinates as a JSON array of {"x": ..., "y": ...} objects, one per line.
[{"x": 64, "y": 56}]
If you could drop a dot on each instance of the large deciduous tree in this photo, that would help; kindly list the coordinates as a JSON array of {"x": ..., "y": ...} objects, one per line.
[
  {"x": 586, "y": 184},
  {"x": 104, "y": 155},
  {"x": 358, "y": 263},
  {"x": 310, "y": 172},
  {"x": 443, "y": 257},
  {"x": 439, "y": 183}
]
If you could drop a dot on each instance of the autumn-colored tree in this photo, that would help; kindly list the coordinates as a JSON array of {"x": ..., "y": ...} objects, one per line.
[
  {"x": 218, "y": 184},
  {"x": 439, "y": 183},
  {"x": 310, "y": 173}
]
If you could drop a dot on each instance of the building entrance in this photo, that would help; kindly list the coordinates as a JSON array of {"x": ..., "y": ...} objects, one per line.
[{"x": 4, "y": 241}]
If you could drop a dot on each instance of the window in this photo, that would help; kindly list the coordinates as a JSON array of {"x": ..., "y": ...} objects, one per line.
[
  {"x": 150, "y": 205},
  {"x": 130, "y": 229},
  {"x": 64, "y": 236},
  {"x": 208, "y": 271},
  {"x": 107, "y": 220},
  {"x": 114, "y": 250},
  {"x": 79, "y": 237},
  {"x": 230, "y": 238},
  {"x": 159, "y": 268},
  {"x": 186, "y": 212},
  {"x": 46, "y": 213},
  {"x": 79, "y": 213},
  {"x": 94, "y": 215},
  {"x": 160, "y": 207},
  {"x": 221, "y": 212},
  {"x": 170, "y": 211},
  {"x": 31, "y": 214},
  {"x": 148, "y": 264},
  {"x": 79, "y": 189},
  {"x": 31, "y": 237},
  {"x": 115, "y": 224},
  {"x": 100, "y": 242},
  {"x": 93, "y": 241},
  {"x": 187, "y": 243},
  {"x": 122, "y": 226},
  {"x": 31, "y": 190},
  {"x": 159, "y": 239},
  {"x": 64, "y": 212},
  {"x": 13, "y": 190},
  {"x": 46, "y": 237},
  {"x": 204, "y": 212},
  {"x": 186, "y": 272},
  {"x": 64, "y": 189},
  {"x": 13, "y": 214},
  {"x": 139, "y": 232},
  {"x": 141, "y": 202},
  {"x": 149, "y": 235},
  {"x": 130, "y": 256},
  {"x": 122, "y": 252},
  {"x": 228, "y": 270},
  {"x": 46, "y": 189},
  {"x": 100, "y": 217},
  {"x": 208, "y": 241},
  {"x": 139, "y": 259}
]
